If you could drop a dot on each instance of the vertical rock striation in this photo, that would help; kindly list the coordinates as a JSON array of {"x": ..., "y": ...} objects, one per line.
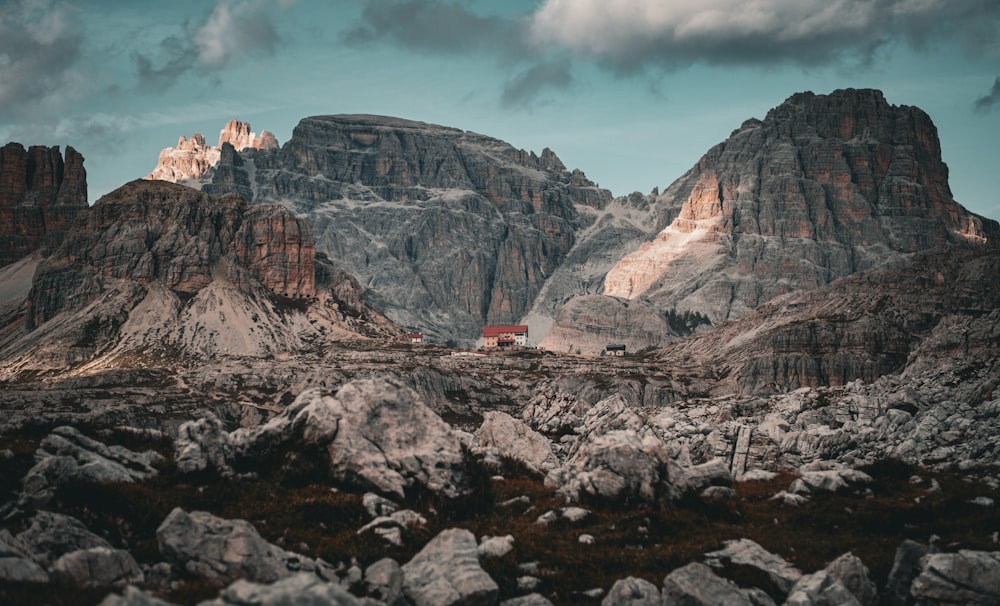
[
  {"x": 823, "y": 187},
  {"x": 41, "y": 192}
]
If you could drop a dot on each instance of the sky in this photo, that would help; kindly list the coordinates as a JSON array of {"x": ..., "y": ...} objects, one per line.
[{"x": 632, "y": 92}]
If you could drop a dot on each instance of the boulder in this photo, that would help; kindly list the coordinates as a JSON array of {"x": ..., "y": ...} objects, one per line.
[
  {"x": 820, "y": 589},
  {"x": 17, "y": 567},
  {"x": 217, "y": 549},
  {"x": 514, "y": 439},
  {"x": 52, "y": 535},
  {"x": 496, "y": 547},
  {"x": 966, "y": 577},
  {"x": 66, "y": 455},
  {"x": 617, "y": 465},
  {"x": 532, "y": 599},
  {"x": 905, "y": 568},
  {"x": 384, "y": 582},
  {"x": 132, "y": 596},
  {"x": 97, "y": 567},
  {"x": 696, "y": 585},
  {"x": 203, "y": 445},
  {"x": 781, "y": 576},
  {"x": 829, "y": 480},
  {"x": 632, "y": 591},
  {"x": 377, "y": 433},
  {"x": 853, "y": 574},
  {"x": 446, "y": 572},
  {"x": 302, "y": 589}
]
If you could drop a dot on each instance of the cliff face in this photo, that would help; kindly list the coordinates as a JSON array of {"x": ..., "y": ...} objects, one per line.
[
  {"x": 41, "y": 192},
  {"x": 824, "y": 186},
  {"x": 447, "y": 229},
  {"x": 192, "y": 158}
]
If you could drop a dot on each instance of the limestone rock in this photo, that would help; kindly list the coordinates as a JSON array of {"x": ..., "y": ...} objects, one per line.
[
  {"x": 820, "y": 589},
  {"x": 496, "y": 547},
  {"x": 67, "y": 455},
  {"x": 632, "y": 591},
  {"x": 450, "y": 229},
  {"x": 849, "y": 183},
  {"x": 853, "y": 574},
  {"x": 41, "y": 193},
  {"x": 52, "y": 535},
  {"x": 384, "y": 582},
  {"x": 446, "y": 572},
  {"x": 216, "y": 549},
  {"x": 300, "y": 589},
  {"x": 696, "y": 585},
  {"x": 966, "y": 577},
  {"x": 203, "y": 445},
  {"x": 193, "y": 158},
  {"x": 905, "y": 567},
  {"x": 97, "y": 567},
  {"x": 132, "y": 596},
  {"x": 781, "y": 575},
  {"x": 376, "y": 433},
  {"x": 514, "y": 439},
  {"x": 17, "y": 567},
  {"x": 617, "y": 465},
  {"x": 830, "y": 480}
]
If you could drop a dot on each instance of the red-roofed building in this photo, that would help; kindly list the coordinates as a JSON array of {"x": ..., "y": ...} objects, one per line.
[
  {"x": 505, "y": 336},
  {"x": 417, "y": 337}
]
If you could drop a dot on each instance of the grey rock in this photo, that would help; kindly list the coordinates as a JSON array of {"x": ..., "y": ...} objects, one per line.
[
  {"x": 514, "y": 439},
  {"x": 132, "y": 596},
  {"x": 617, "y": 465},
  {"x": 528, "y": 583},
  {"x": 696, "y": 585},
  {"x": 97, "y": 567},
  {"x": 52, "y": 535},
  {"x": 496, "y": 547},
  {"x": 202, "y": 445},
  {"x": 17, "y": 567},
  {"x": 302, "y": 589},
  {"x": 377, "y": 506},
  {"x": 218, "y": 549},
  {"x": 446, "y": 572},
  {"x": 384, "y": 582},
  {"x": 966, "y": 577},
  {"x": 377, "y": 433},
  {"x": 632, "y": 591},
  {"x": 853, "y": 574},
  {"x": 905, "y": 567},
  {"x": 532, "y": 599},
  {"x": 67, "y": 455},
  {"x": 832, "y": 480},
  {"x": 820, "y": 589},
  {"x": 746, "y": 552}
]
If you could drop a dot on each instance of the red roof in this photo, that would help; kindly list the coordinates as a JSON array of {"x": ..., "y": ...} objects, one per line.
[
  {"x": 494, "y": 331},
  {"x": 417, "y": 335}
]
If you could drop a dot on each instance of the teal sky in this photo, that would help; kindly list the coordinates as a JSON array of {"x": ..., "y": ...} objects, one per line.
[{"x": 632, "y": 92}]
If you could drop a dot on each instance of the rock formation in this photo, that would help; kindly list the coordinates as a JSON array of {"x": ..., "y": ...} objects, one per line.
[
  {"x": 824, "y": 186},
  {"x": 448, "y": 229},
  {"x": 41, "y": 192},
  {"x": 192, "y": 158}
]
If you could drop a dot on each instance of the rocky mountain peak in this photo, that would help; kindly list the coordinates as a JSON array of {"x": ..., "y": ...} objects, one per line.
[
  {"x": 823, "y": 187},
  {"x": 193, "y": 158},
  {"x": 41, "y": 192}
]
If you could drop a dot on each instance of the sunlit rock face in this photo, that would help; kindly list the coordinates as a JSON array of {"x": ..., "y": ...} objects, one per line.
[
  {"x": 449, "y": 230},
  {"x": 41, "y": 192},
  {"x": 823, "y": 187},
  {"x": 192, "y": 158}
]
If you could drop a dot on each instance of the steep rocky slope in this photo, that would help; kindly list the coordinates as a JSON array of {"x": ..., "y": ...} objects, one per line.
[
  {"x": 188, "y": 162},
  {"x": 448, "y": 229},
  {"x": 157, "y": 269},
  {"x": 41, "y": 192},
  {"x": 824, "y": 186}
]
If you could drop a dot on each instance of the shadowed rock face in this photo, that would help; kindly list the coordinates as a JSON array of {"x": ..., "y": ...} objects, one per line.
[
  {"x": 448, "y": 229},
  {"x": 41, "y": 192},
  {"x": 152, "y": 231},
  {"x": 823, "y": 187}
]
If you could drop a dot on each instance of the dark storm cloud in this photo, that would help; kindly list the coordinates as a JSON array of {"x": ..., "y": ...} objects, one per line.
[
  {"x": 528, "y": 86},
  {"x": 990, "y": 99},
  {"x": 38, "y": 50},
  {"x": 229, "y": 34},
  {"x": 434, "y": 26}
]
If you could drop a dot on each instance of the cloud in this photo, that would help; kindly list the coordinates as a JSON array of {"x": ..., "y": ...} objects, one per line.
[
  {"x": 433, "y": 26},
  {"x": 528, "y": 86},
  {"x": 990, "y": 99},
  {"x": 38, "y": 49},
  {"x": 229, "y": 34},
  {"x": 630, "y": 36}
]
